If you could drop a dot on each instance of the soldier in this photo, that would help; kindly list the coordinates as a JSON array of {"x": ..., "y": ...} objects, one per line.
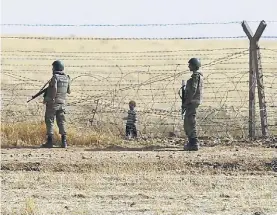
[
  {"x": 55, "y": 100},
  {"x": 192, "y": 100}
]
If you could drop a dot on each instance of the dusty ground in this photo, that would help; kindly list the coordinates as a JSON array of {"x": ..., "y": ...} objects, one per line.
[{"x": 215, "y": 180}]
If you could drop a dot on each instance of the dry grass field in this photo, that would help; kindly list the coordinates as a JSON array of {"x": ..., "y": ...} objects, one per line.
[{"x": 100, "y": 173}]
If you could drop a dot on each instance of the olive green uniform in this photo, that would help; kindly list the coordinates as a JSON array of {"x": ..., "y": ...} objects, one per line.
[
  {"x": 55, "y": 99},
  {"x": 193, "y": 98}
]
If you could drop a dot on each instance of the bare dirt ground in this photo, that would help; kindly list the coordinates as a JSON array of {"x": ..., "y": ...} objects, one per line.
[{"x": 215, "y": 180}]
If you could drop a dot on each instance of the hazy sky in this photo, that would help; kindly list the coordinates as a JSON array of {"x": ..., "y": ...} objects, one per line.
[{"x": 136, "y": 12}]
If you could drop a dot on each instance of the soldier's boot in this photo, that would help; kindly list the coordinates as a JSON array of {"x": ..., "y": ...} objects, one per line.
[
  {"x": 49, "y": 143},
  {"x": 192, "y": 145},
  {"x": 64, "y": 141},
  {"x": 195, "y": 144}
]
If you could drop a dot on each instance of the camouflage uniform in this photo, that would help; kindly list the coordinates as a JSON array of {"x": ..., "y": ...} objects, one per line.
[
  {"x": 55, "y": 100},
  {"x": 193, "y": 98}
]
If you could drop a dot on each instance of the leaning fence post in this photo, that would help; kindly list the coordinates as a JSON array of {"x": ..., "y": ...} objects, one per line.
[{"x": 252, "y": 83}]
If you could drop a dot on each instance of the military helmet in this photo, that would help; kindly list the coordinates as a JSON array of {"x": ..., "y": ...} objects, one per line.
[
  {"x": 195, "y": 61},
  {"x": 58, "y": 65}
]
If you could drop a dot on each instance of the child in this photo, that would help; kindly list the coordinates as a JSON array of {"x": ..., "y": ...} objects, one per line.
[{"x": 131, "y": 129}]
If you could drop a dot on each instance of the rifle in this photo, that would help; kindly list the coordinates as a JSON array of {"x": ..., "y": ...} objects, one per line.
[
  {"x": 41, "y": 91},
  {"x": 183, "y": 97}
]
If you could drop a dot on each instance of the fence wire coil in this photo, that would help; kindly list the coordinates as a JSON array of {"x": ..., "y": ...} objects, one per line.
[{"x": 106, "y": 76}]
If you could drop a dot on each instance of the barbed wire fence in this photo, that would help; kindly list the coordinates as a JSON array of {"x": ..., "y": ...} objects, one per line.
[{"x": 106, "y": 76}]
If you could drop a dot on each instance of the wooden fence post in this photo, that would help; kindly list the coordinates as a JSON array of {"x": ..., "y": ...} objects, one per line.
[
  {"x": 256, "y": 77},
  {"x": 252, "y": 83}
]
